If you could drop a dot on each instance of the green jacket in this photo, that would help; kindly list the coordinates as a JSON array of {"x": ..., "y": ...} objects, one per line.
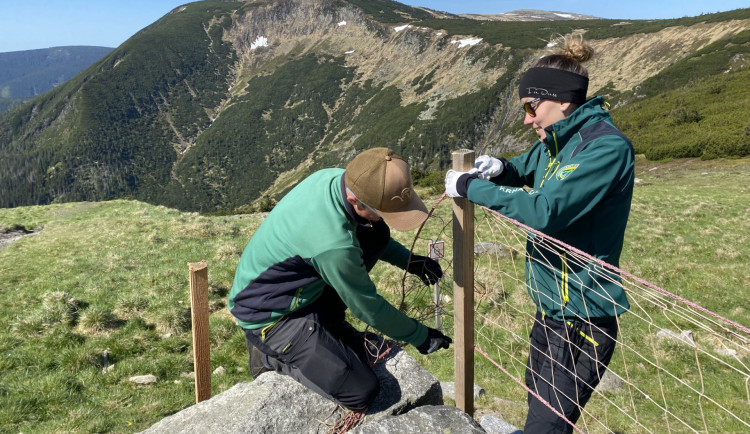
[
  {"x": 307, "y": 242},
  {"x": 581, "y": 184}
]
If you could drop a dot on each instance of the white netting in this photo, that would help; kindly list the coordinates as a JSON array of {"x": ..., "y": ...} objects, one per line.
[{"x": 677, "y": 366}]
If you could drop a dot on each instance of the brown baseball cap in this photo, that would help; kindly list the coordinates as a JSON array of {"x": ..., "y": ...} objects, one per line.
[{"x": 382, "y": 180}]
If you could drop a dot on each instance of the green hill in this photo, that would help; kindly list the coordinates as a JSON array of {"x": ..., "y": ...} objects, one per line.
[{"x": 221, "y": 105}]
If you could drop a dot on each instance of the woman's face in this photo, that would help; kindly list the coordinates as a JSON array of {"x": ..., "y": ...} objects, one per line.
[{"x": 547, "y": 113}]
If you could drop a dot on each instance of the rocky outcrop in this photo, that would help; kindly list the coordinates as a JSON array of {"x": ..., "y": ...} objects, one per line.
[
  {"x": 428, "y": 419},
  {"x": 410, "y": 400}
]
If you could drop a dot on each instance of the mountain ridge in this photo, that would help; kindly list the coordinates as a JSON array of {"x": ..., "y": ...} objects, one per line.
[
  {"x": 218, "y": 105},
  {"x": 29, "y": 73},
  {"x": 530, "y": 15}
]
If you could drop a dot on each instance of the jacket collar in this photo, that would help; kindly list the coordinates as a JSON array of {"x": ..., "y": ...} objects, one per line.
[{"x": 560, "y": 133}]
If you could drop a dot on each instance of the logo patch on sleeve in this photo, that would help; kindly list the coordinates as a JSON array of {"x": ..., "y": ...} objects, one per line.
[{"x": 566, "y": 171}]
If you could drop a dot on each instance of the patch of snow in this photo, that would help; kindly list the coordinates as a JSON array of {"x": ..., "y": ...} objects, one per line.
[
  {"x": 439, "y": 33},
  {"x": 349, "y": 52},
  {"x": 342, "y": 23},
  {"x": 260, "y": 41},
  {"x": 400, "y": 28},
  {"x": 564, "y": 15},
  {"x": 467, "y": 42}
]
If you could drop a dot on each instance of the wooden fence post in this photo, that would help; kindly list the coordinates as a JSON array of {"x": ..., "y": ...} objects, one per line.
[
  {"x": 463, "y": 289},
  {"x": 201, "y": 345}
]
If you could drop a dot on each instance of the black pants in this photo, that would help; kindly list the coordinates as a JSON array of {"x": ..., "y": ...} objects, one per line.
[
  {"x": 318, "y": 348},
  {"x": 564, "y": 367}
]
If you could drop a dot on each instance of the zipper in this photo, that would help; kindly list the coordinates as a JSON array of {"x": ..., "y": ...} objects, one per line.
[{"x": 552, "y": 162}]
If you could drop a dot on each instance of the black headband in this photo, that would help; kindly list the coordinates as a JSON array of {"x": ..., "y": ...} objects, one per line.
[{"x": 555, "y": 84}]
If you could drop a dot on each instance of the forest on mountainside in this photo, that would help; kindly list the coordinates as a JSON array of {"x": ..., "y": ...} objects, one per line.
[{"x": 188, "y": 115}]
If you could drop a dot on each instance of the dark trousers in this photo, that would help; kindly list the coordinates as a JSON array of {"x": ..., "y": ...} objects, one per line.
[
  {"x": 318, "y": 348},
  {"x": 564, "y": 367}
]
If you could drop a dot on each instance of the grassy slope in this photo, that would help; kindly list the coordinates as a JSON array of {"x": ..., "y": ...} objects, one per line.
[
  {"x": 113, "y": 276},
  {"x": 110, "y": 276}
]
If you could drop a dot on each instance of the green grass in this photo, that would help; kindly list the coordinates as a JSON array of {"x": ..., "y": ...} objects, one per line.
[
  {"x": 110, "y": 276},
  {"x": 113, "y": 276}
]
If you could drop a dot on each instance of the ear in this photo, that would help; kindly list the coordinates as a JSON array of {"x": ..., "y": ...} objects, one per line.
[
  {"x": 351, "y": 199},
  {"x": 567, "y": 108}
]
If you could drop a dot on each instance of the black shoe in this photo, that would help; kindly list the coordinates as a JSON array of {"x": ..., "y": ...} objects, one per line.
[{"x": 257, "y": 366}]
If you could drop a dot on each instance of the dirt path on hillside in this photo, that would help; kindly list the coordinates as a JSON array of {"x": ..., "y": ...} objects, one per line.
[{"x": 11, "y": 235}]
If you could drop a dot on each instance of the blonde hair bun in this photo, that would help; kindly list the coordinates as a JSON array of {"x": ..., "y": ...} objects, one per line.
[{"x": 574, "y": 48}]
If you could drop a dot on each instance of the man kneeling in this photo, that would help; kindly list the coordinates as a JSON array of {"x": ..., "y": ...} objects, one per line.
[{"x": 309, "y": 261}]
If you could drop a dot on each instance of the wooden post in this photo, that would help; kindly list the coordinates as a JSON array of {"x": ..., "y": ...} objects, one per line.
[
  {"x": 463, "y": 289},
  {"x": 201, "y": 345}
]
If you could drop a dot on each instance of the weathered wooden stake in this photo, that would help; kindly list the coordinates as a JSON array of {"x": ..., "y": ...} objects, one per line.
[
  {"x": 463, "y": 289},
  {"x": 201, "y": 346}
]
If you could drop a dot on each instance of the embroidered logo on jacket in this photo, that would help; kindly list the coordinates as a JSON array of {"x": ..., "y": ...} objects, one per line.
[{"x": 566, "y": 171}]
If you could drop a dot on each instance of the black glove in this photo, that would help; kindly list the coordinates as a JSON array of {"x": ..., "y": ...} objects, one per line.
[
  {"x": 435, "y": 340},
  {"x": 426, "y": 268}
]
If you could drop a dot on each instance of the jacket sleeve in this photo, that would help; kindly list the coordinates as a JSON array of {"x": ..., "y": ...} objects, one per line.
[
  {"x": 396, "y": 254},
  {"x": 344, "y": 270},
  {"x": 520, "y": 169},
  {"x": 599, "y": 169}
]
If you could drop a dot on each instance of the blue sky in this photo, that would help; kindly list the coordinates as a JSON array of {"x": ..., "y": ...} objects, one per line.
[{"x": 32, "y": 24}]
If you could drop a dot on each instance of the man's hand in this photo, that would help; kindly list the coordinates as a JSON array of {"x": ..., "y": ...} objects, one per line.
[
  {"x": 426, "y": 268},
  {"x": 489, "y": 167},
  {"x": 435, "y": 340}
]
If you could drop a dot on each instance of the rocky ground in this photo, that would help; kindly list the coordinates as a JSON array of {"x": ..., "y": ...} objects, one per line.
[{"x": 13, "y": 234}]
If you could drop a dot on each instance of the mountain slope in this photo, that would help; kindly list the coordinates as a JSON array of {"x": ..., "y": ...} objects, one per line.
[{"x": 219, "y": 104}]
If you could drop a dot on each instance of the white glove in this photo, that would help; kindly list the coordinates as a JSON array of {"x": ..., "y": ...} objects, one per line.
[
  {"x": 488, "y": 167},
  {"x": 451, "y": 178}
]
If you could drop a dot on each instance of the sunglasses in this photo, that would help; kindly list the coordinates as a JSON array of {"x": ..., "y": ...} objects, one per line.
[{"x": 529, "y": 109}]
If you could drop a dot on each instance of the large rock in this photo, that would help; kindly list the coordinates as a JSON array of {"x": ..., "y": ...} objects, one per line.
[
  {"x": 428, "y": 419},
  {"x": 275, "y": 403},
  {"x": 404, "y": 384},
  {"x": 495, "y": 425}
]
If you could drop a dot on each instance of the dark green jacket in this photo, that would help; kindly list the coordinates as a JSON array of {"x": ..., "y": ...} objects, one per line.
[
  {"x": 581, "y": 184},
  {"x": 307, "y": 242}
]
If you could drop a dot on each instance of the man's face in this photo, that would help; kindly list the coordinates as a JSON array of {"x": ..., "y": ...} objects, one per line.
[
  {"x": 366, "y": 212},
  {"x": 361, "y": 208}
]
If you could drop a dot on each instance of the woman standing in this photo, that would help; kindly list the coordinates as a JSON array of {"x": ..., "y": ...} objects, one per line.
[{"x": 579, "y": 178}]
